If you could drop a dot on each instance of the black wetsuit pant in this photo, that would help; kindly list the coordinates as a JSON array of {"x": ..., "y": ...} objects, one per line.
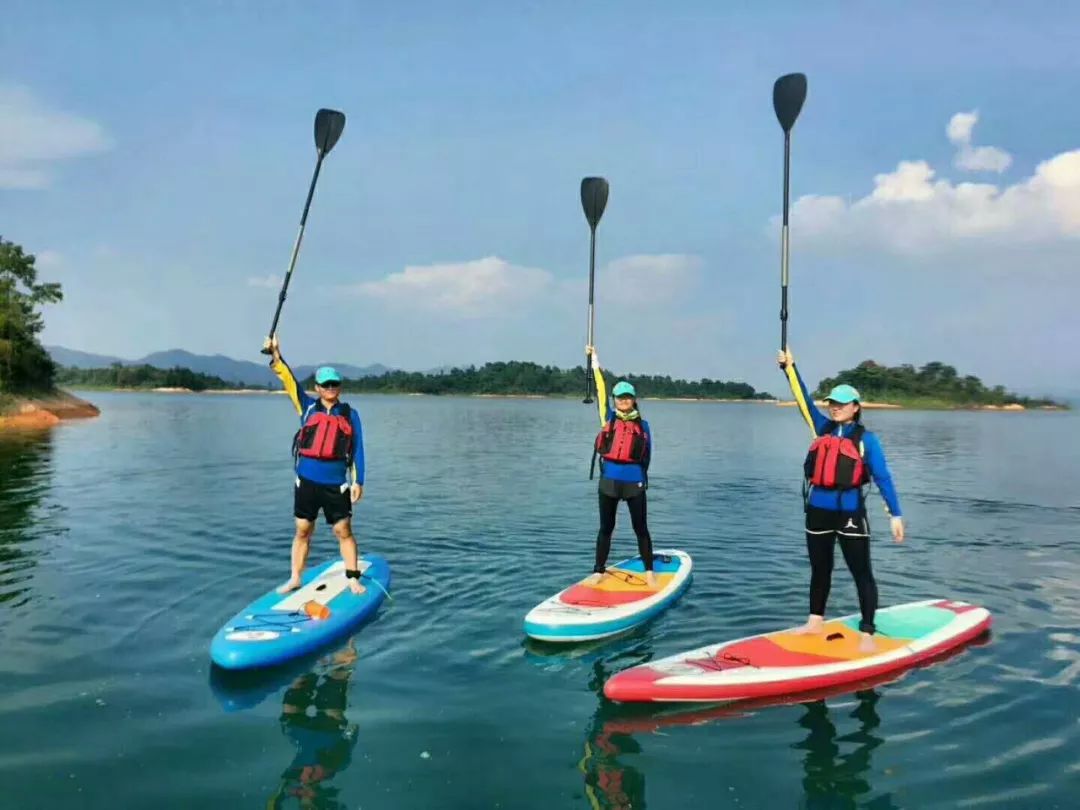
[
  {"x": 611, "y": 492},
  {"x": 823, "y": 529}
]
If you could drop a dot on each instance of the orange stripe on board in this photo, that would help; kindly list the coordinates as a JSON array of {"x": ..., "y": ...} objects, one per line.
[{"x": 845, "y": 648}]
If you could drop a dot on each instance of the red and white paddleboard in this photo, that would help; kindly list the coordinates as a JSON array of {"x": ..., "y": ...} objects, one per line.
[{"x": 785, "y": 662}]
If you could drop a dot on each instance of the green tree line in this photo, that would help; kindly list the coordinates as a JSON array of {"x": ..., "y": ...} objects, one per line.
[
  {"x": 25, "y": 366},
  {"x": 518, "y": 377},
  {"x": 933, "y": 381},
  {"x": 143, "y": 376}
]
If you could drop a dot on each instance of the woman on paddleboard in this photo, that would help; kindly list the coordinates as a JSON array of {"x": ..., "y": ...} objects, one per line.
[
  {"x": 624, "y": 448},
  {"x": 328, "y": 449},
  {"x": 842, "y": 460}
]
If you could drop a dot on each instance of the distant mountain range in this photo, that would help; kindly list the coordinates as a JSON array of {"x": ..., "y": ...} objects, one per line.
[{"x": 243, "y": 372}]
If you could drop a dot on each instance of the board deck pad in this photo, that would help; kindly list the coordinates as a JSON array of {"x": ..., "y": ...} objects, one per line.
[{"x": 321, "y": 589}]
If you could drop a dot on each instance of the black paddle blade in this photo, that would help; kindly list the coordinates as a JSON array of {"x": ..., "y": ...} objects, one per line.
[
  {"x": 329, "y": 125},
  {"x": 594, "y": 193},
  {"x": 788, "y": 95}
]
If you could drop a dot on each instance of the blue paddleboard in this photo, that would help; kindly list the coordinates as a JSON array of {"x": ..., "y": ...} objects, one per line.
[{"x": 275, "y": 628}]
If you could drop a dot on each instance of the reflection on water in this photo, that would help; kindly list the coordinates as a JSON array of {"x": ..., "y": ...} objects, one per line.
[
  {"x": 609, "y": 784},
  {"x": 835, "y": 775},
  {"x": 25, "y": 473},
  {"x": 313, "y": 718},
  {"x": 836, "y": 765}
]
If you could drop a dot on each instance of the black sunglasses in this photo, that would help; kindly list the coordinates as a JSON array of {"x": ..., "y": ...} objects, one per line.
[{"x": 329, "y": 384}]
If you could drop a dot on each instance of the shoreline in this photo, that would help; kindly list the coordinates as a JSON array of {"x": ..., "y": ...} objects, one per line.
[
  {"x": 43, "y": 410},
  {"x": 779, "y": 403},
  {"x": 1012, "y": 407}
]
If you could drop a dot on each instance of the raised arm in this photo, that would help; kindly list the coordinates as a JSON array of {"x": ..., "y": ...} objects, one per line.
[
  {"x": 602, "y": 404},
  {"x": 298, "y": 395},
  {"x": 814, "y": 418}
]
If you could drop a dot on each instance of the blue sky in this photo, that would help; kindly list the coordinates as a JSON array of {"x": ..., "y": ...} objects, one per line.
[{"x": 156, "y": 157}]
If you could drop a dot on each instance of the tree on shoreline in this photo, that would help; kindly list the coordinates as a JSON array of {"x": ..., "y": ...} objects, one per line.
[
  {"x": 935, "y": 380},
  {"x": 24, "y": 363}
]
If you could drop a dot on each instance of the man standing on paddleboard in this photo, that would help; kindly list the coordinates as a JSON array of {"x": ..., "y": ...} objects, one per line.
[
  {"x": 328, "y": 449},
  {"x": 842, "y": 460}
]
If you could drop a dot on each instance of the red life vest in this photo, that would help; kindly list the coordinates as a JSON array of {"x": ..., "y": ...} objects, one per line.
[
  {"x": 325, "y": 436},
  {"x": 835, "y": 462},
  {"x": 622, "y": 440}
]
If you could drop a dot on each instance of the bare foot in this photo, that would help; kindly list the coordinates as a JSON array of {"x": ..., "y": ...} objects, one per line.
[
  {"x": 594, "y": 579},
  {"x": 356, "y": 587},
  {"x": 814, "y": 626},
  {"x": 291, "y": 585},
  {"x": 650, "y": 579},
  {"x": 866, "y": 643}
]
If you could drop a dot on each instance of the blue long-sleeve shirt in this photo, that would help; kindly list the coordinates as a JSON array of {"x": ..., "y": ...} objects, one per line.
[
  {"x": 873, "y": 455},
  {"x": 617, "y": 470},
  {"x": 331, "y": 473}
]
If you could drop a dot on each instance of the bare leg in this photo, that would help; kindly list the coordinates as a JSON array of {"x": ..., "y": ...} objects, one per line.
[
  {"x": 300, "y": 545},
  {"x": 343, "y": 532}
]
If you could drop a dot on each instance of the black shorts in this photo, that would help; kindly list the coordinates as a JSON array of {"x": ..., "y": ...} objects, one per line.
[
  {"x": 623, "y": 490},
  {"x": 311, "y": 497},
  {"x": 827, "y": 521}
]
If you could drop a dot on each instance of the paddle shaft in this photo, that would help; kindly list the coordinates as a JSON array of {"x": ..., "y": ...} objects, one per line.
[
  {"x": 592, "y": 285},
  {"x": 296, "y": 245},
  {"x": 784, "y": 245}
]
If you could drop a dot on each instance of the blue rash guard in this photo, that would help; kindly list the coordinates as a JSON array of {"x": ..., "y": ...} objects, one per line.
[
  {"x": 330, "y": 473},
  {"x": 623, "y": 472},
  {"x": 848, "y": 500}
]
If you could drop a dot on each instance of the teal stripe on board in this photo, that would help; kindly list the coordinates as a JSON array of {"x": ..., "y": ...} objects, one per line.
[
  {"x": 659, "y": 565},
  {"x": 911, "y": 622}
]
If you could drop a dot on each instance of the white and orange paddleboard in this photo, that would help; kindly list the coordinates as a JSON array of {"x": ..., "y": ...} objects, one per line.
[{"x": 621, "y": 601}]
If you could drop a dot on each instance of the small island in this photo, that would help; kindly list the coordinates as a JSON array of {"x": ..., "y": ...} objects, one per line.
[
  {"x": 29, "y": 397},
  {"x": 934, "y": 386}
]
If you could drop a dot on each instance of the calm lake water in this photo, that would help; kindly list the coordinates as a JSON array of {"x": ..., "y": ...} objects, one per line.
[{"x": 127, "y": 540}]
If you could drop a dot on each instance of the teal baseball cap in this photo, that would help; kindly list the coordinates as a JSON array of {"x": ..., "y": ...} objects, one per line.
[
  {"x": 326, "y": 374},
  {"x": 843, "y": 394},
  {"x": 623, "y": 389}
]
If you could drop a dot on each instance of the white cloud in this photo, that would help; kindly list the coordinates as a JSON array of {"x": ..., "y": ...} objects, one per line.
[
  {"x": 33, "y": 137},
  {"x": 270, "y": 282},
  {"x": 488, "y": 286},
  {"x": 912, "y": 211},
  {"x": 960, "y": 127},
  {"x": 974, "y": 158},
  {"x": 648, "y": 280}
]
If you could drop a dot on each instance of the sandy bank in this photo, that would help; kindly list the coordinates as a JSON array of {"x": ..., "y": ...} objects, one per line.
[{"x": 34, "y": 413}]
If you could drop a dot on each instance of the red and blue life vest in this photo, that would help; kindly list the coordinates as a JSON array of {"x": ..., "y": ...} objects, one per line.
[
  {"x": 325, "y": 436},
  {"x": 836, "y": 462}
]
